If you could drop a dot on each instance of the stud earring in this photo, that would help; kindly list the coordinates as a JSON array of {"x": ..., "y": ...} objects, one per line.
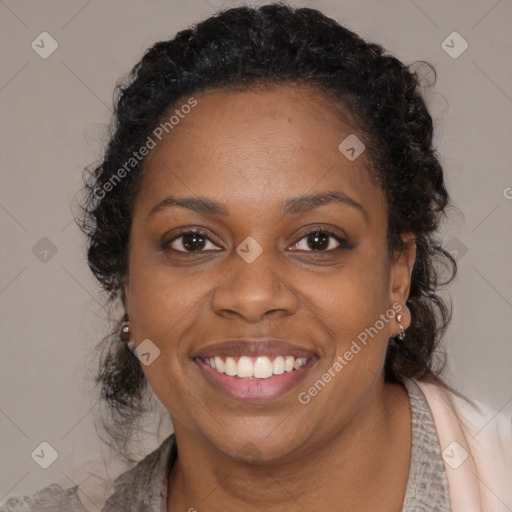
[
  {"x": 401, "y": 334},
  {"x": 126, "y": 333}
]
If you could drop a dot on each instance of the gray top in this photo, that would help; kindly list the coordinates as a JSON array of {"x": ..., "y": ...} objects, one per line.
[{"x": 427, "y": 485}]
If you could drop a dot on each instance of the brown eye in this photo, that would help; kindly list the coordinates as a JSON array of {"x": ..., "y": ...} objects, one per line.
[
  {"x": 320, "y": 240},
  {"x": 191, "y": 241}
]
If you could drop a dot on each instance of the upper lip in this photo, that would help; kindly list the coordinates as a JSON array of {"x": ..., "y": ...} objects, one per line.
[{"x": 246, "y": 347}]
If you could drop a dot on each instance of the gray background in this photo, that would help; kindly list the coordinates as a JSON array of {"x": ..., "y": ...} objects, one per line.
[{"x": 53, "y": 115}]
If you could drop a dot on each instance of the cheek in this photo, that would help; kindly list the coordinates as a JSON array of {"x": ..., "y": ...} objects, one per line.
[
  {"x": 350, "y": 303},
  {"x": 163, "y": 299},
  {"x": 164, "y": 304},
  {"x": 350, "y": 299},
  {"x": 173, "y": 389}
]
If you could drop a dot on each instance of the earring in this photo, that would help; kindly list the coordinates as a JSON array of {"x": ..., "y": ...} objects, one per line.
[
  {"x": 126, "y": 333},
  {"x": 401, "y": 334}
]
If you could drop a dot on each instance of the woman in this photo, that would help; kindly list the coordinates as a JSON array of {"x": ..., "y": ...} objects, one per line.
[{"x": 267, "y": 210}]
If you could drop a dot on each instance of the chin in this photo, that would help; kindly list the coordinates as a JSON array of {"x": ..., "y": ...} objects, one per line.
[{"x": 258, "y": 445}]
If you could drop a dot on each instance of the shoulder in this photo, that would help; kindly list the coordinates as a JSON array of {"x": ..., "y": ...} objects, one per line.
[
  {"x": 476, "y": 442},
  {"x": 54, "y": 496},
  {"x": 98, "y": 489},
  {"x": 144, "y": 487},
  {"x": 478, "y": 421}
]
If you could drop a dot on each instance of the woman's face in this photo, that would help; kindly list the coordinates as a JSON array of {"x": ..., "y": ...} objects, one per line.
[{"x": 261, "y": 176}]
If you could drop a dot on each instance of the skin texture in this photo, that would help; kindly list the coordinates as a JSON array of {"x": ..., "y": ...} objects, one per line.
[{"x": 251, "y": 150}]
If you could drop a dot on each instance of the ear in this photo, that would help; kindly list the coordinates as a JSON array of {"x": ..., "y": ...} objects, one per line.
[{"x": 400, "y": 277}]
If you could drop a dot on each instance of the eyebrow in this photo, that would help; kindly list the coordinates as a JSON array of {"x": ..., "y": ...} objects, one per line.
[{"x": 295, "y": 205}]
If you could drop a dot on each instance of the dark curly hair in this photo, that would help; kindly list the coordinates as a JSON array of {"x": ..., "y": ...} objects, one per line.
[{"x": 267, "y": 46}]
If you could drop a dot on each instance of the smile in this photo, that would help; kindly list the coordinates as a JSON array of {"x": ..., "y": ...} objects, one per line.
[
  {"x": 260, "y": 367},
  {"x": 255, "y": 379}
]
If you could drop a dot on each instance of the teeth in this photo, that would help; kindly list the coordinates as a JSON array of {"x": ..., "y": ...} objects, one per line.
[
  {"x": 219, "y": 364},
  {"x": 230, "y": 367},
  {"x": 262, "y": 368},
  {"x": 299, "y": 362},
  {"x": 244, "y": 368},
  {"x": 288, "y": 363},
  {"x": 278, "y": 365}
]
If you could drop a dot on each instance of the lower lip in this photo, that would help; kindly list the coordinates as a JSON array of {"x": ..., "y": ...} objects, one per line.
[{"x": 255, "y": 390}]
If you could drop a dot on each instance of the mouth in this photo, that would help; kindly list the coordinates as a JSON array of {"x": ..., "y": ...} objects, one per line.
[
  {"x": 254, "y": 371},
  {"x": 261, "y": 367}
]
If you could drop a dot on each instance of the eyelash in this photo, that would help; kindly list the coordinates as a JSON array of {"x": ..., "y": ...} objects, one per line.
[
  {"x": 344, "y": 244},
  {"x": 342, "y": 241}
]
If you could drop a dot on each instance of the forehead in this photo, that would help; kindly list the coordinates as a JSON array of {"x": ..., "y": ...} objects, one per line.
[{"x": 258, "y": 145}]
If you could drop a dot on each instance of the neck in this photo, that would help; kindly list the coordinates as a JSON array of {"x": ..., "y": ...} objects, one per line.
[{"x": 362, "y": 467}]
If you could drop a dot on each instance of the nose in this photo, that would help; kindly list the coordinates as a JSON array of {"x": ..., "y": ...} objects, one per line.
[{"x": 254, "y": 290}]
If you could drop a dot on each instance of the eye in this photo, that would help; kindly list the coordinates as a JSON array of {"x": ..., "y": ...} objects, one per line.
[
  {"x": 191, "y": 241},
  {"x": 317, "y": 240},
  {"x": 320, "y": 240}
]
